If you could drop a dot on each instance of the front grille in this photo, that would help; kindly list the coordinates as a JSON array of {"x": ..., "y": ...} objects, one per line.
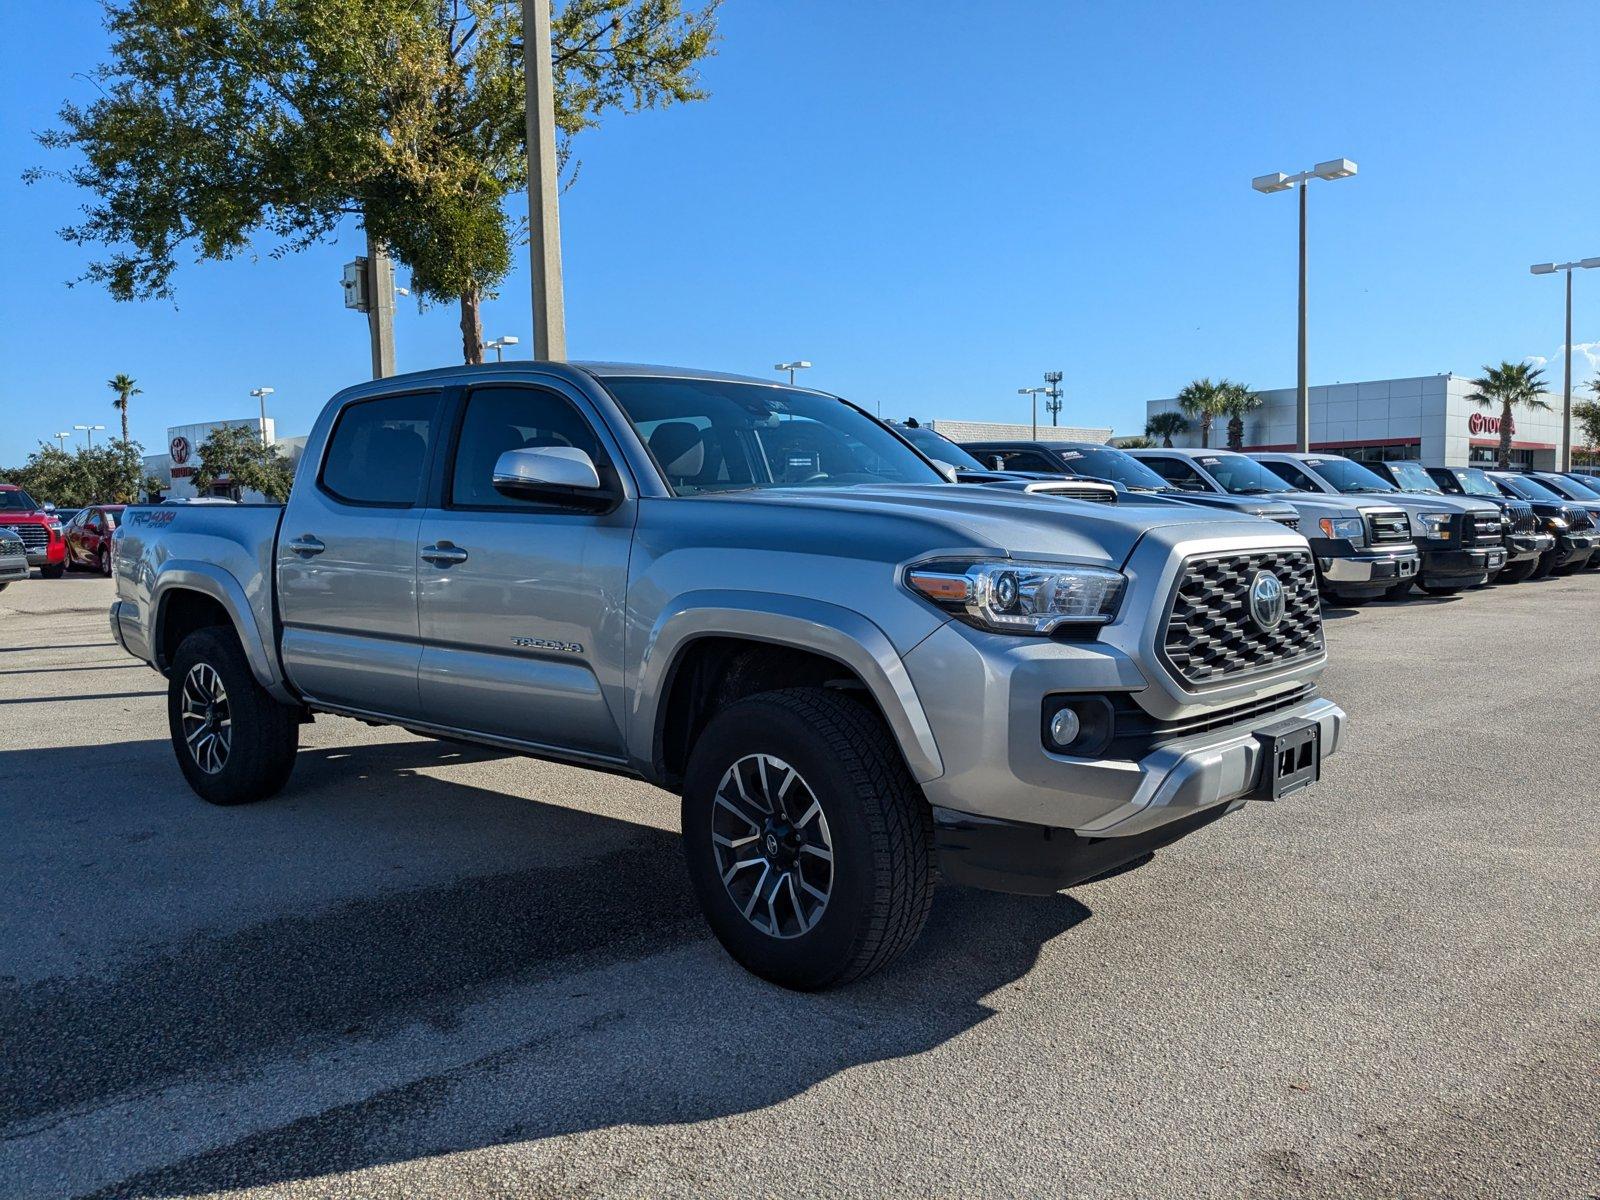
[
  {"x": 1481, "y": 529},
  {"x": 1387, "y": 526},
  {"x": 10, "y": 545},
  {"x": 1522, "y": 518},
  {"x": 1210, "y": 636},
  {"x": 1579, "y": 518},
  {"x": 34, "y": 537},
  {"x": 1291, "y": 522}
]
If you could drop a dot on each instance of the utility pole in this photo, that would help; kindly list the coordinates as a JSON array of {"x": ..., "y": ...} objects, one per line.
[
  {"x": 61, "y": 438},
  {"x": 1052, "y": 401},
  {"x": 1034, "y": 393},
  {"x": 544, "y": 185},
  {"x": 380, "y": 307}
]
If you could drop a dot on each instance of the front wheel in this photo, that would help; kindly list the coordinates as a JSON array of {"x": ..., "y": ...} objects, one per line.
[
  {"x": 234, "y": 742},
  {"x": 1400, "y": 590},
  {"x": 1437, "y": 590},
  {"x": 809, "y": 845},
  {"x": 53, "y": 570}
]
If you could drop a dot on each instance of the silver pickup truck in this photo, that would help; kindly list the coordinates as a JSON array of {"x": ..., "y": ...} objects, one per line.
[{"x": 857, "y": 674}]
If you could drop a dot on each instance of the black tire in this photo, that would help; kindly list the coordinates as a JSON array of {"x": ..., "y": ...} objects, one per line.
[
  {"x": 1545, "y": 565},
  {"x": 1437, "y": 590},
  {"x": 882, "y": 869},
  {"x": 1517, "y": 572},
  {"x": 53, "y": 570},
  {"x": 103, "y": 562},
  {"x": 262, "y": 734},
  {"x": 1400, "y": 590}
]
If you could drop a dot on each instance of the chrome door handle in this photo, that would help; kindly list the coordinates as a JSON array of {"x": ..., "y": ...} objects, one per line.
[
  {"x": 306, "y": 545},
  {"x": 443, "y": 554}
]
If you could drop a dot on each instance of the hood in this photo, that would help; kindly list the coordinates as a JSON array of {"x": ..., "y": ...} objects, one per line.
[
  {"x": 878, "y": 521},
  {"x": 1271, "y": 507},
  {"x": 1420, "y": 502}
]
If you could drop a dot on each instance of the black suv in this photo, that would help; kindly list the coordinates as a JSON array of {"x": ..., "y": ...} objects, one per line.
[
  {"x": 1519, "y": 527},
  {"x": 1571, "y": 528}
]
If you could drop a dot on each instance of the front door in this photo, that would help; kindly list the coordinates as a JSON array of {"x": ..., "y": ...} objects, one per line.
[
  {"x": 347, "y": 558},
  {"x": 521, "y": 603}
]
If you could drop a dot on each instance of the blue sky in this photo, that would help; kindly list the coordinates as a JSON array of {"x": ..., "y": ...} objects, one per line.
[{"x": 935, "y": 202}]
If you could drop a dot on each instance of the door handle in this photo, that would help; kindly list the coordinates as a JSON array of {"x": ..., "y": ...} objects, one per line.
[
  {"x": 443, "y": 554},
  {"x": 306, "y": 545}
]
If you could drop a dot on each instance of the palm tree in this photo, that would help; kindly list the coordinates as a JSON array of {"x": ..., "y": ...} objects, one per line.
[
  {"x": 1202, "y": 401},
  {"x": 126, "y": 387},
  {"x": 1237, "y": 400},
  {"x": 1505, "y": 387},
  {"x": 1164, "y": 424}
]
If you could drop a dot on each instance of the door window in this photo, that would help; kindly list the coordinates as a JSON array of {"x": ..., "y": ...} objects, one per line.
[
  {"x": 1028, "y": 460},
  {"x": 498, "y": 419},
  {"x": 1293, "y": 476},
  {"x": 1178, "y": 473},
  {"x": 378, "y": 452}
]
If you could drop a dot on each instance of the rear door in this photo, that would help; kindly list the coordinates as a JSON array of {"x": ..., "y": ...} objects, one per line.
[
  {"x": 522, "y": 603},
  {"x": 347, "y": 557}
]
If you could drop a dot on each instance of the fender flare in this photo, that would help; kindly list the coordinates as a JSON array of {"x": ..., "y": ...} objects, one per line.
[
  {"x": 794, "y": 621},
  {"x": 188, "y": 575}
]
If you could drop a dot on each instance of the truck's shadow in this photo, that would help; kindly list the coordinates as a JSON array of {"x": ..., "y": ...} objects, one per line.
[{"x": 384, "y": 960}]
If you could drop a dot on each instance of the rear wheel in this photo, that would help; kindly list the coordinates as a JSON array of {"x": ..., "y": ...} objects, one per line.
[
  {"x": 234, "y": 742},
  {"x": 103, "y": 561},
  {"x": 809, "y": 845}
]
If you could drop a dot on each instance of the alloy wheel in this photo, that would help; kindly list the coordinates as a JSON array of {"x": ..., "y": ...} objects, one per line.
[
  {"x": 207, "y": 719},
  {"x": 772, "y": 844}
]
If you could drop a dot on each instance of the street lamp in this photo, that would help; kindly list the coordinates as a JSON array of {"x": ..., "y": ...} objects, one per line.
[
  {"x": 499, "y": 344},
  {"x": 1052, "y": 402},
  {"x": 261, "y": 394},
  {"x": 61, "y": 438},
  {"x": 1334, "y": 168},
  {"x": 1035, "y": 393},
  {"x": 799, "y": 364},
  {"x": 1566, "y": 378},
  {"x": 88, "y": 432}
]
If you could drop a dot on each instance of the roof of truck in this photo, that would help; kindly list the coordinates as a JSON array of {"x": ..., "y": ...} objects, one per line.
[{"x": 598, "y": 369}]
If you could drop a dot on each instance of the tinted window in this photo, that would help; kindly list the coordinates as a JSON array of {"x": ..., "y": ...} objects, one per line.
[
  {"x": 940, "y": 448},
  {"x": 19, "y": 501},
  {"x": 1411, "y": 477},
  {"x": 711, "y": 435},
  {"x": 1027, "y": 460},
  {"x": 1178, "y": 473},
  {"x": 379, "y": 450},
  {"x": 1526, "y": 489},
  {"x": 511, "y": 418},
  {"x": 1293, "y": 476},
  {"x": 1240, "y": 476},
  {"x": 1349, "y": 477},
  {"x": 1588, "y": 483},
  {"x": 1563, "y": 488},
  {"x": 1112, "y": 465}
]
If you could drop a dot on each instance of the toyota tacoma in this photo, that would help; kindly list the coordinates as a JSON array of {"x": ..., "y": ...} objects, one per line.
[{"x": 856, "y": 674}]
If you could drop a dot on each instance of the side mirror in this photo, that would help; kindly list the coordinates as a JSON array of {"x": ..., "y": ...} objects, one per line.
[
  {"x": 553, "y": 474},
  {"x": 948, "y": 470}
]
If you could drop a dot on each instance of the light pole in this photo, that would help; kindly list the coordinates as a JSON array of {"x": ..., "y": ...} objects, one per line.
[
  {"x": 498, "y": 346},
  {"x": 1052, "y": 402},
  {"x": 1334, "y": 168},
  {"x": 799, "y": 364},
  {"x": 544, "y": 185},
  {"x": 61, "y": 439},
  {"x": 261, "y": 394},
  {"x": 88, "y": 432},
  {"x": 1035, "y": 393},
  {"x": 1566, "y": 377}
]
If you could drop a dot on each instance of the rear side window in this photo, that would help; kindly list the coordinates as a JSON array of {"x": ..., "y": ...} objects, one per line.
[
  {"x": 511, "y": 418},
  {"x": 379, "y": 450},
  {"x": 1178, "y": 473}
]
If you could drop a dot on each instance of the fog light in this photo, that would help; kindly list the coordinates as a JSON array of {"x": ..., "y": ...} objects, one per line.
[{"x": 1064, "y": 728}]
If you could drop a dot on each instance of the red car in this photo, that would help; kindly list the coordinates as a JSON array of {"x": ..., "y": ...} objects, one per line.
[
  {"x": 88, "y": 537},
  {"x": 40, "y": 530}
]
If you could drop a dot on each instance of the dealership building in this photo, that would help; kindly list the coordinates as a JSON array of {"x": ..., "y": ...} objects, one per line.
[
  {"x": 1426, "y": 417},
  {"x": 175, "y": 469}
]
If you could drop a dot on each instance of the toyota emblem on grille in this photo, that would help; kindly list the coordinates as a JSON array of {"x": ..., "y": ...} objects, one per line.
[{"x": 1266, "y": 600}]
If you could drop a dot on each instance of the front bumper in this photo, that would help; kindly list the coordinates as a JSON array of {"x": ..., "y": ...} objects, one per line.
[
  {"x": 1369, "y": 571},
  {"x": 1463, "y": 566},
  {"x": 1522, "y": 546},
  {"x": 13, "y": 567},
  {"x": 49, "y": 555},
  {"x": 1573, "y": 549}
]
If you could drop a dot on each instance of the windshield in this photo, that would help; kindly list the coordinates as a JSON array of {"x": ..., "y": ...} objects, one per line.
[
  {"x": 939, "y": 448},
  {"x": 1241, "y": 476},
  {"x": 1566, "y": 489},
  {"x": 1113, "y": 466},
  {"x": 1588, "y": 483},
  {"x": 1528, "y": 489},
  {"x": 710, "y": 435},
  {"x": 1475, "y": 483},
  {"x": 1412, "y": 476},
  {"x": 17, "y": 502},
  {"x": 1349, "y": 477}
]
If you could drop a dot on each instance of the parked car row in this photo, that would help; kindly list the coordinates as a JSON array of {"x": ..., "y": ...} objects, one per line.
[
  {"x": 57, "y": 541},
  {"x": 1377, "y": 529}
]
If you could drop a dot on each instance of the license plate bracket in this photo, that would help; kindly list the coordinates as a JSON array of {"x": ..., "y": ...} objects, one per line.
[{"x": 1291, "y": 758}]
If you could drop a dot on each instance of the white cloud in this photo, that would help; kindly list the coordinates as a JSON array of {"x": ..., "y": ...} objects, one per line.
[{"x": 1585, "y": 363}]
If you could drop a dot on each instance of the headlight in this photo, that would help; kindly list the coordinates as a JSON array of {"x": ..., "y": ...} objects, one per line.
[
  {"x": 1555, "y": 523},
  {"x": 1019, "y": 597},
  {"x": 1352, "y": 529},
  {"x": 1434, "y": 524}
]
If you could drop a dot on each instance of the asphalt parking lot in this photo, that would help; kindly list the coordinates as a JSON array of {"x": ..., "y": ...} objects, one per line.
[{"x": 428, "y": 971}]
